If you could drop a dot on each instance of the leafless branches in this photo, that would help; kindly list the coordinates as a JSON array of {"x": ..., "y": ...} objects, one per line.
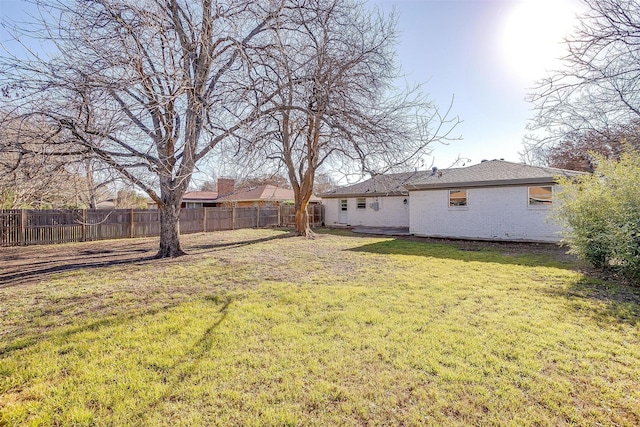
[
  {"x": 598, "y": 88},
  {"x": 148, "y": 87},
  {"x": 330, "y": 67}
]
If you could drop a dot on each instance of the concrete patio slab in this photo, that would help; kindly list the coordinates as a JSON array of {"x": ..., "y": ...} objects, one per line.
[{"x": 385, "y": 231}]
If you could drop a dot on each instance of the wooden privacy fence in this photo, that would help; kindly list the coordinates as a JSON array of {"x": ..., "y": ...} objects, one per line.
[{"x": 41, "y": 227}]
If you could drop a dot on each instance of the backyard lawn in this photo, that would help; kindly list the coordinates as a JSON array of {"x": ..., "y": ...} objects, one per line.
[{"x": 258, "y": 328}]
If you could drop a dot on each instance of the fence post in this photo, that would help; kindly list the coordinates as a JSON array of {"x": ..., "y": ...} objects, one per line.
[
  {"x": 258, "y": 215},
  {"x": 131, "y": 223},
  {"x": 204, "y": 219},
  {"x": 23, "y": 221},
  {"x": 233, "y": 217},
  {"x": 84, "y": 225},
  {"x": 280, "y": 215}
]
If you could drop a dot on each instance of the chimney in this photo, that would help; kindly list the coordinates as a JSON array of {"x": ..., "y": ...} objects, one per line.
[{"x": 225, "y": 186}]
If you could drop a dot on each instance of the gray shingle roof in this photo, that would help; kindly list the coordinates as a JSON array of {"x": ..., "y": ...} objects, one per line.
[
  {"x": 488, "y": 173},
  {"x": 380, "y": 185},
  {"x": 491, "y": 173}
]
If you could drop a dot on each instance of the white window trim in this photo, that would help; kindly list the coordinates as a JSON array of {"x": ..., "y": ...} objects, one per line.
[{"x": 358, "y": 199}]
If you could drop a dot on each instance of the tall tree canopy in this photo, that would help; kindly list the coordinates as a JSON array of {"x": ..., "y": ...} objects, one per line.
[
  {"x": 596, "y": 93},
  {"x": 149, "y": 87},
  {"x": 152, "y": 87},
  {"x": 332, "y": 64}
]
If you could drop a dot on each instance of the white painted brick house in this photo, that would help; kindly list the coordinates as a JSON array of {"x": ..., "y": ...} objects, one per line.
[
  {"x": 382, "y": 201},
  {"x": 495, "y": 200}
]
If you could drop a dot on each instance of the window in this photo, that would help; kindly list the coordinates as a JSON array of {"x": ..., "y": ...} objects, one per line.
[
  {"x": 540, "y": 196},
  {"x": 343, "y": 205},
  {"x": 361, "y": 203},
  {"x": 457, "y": 198}
]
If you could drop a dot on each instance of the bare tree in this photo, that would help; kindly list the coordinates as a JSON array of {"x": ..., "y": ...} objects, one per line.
[
  {"x": 596, "y": 93},
  {"x": 148, "y": 87},
  {"x": 332, "y": 62},
  {"x": 576, "y": 150},
  {"x": 36, "y": 178}
]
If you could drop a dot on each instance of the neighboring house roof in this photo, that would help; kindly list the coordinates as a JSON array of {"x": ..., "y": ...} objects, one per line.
[
  {"x": 491, "y": 173},
  {"x": 393, "y": 184},
  {"x": 200, "y": 196},
  {"x": 484, "y": 174},
  {"x": 106, "y": 204},
  {"x": 266, "y": 193}
]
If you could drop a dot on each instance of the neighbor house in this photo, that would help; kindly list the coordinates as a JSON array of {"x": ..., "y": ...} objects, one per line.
[
  {"x": 199, "y": 199},
  {"x": 263, "y": 195},
  {"x": 208, "y": 199},
  {"x": 228, "y": 196},
  {"x": 494, "y": 200}
]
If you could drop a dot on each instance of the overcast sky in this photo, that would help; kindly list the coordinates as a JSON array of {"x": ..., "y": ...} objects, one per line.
[{"x": 485, "y": 54}]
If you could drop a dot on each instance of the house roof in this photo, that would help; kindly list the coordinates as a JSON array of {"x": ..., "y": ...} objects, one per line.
[
  {"x": 200, "y": 196},
  {"x": 489, "y": 174},
  {"x": 485, "y": 174},
  {"x": 393, "y": 184},
  {"x": 263, "y": 193}
]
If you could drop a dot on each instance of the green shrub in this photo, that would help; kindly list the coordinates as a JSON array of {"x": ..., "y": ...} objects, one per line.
[{"x": 602, "y": 212}]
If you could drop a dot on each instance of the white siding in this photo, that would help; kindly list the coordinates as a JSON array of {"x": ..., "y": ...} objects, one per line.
[
  {"x": 392, "y": 212},
  {"x": 500, "y": 213}
]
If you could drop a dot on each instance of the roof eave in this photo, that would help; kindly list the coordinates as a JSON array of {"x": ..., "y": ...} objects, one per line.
[
  {"x": 492, "y": 183},
  {"x": 378, "y": 194}
]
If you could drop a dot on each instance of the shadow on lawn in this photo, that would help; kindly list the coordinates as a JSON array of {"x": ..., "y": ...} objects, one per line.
[
  {"x": 23, "y": 271},
  {"x": 526, "y": 254},
  {"x": 186, "y": 366},
  {"x": 616, "y": 301},
  {"x": 41, "y": 269},
  {"x": 239, "y": 244},
  {"x": 111, "y": 319},
  {"x": 114, "y": 319}
]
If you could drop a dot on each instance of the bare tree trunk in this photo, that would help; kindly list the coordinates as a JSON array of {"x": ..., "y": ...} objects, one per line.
[
  {"x": 303, "y": 193},
  {"x": 170, "y": 231},
  {"x": 302, "y": 218}
]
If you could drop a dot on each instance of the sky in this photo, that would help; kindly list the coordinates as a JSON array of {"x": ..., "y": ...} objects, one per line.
[{"x": 486, "y": 55}]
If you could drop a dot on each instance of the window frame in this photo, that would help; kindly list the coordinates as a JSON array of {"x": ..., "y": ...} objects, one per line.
[{"x": 361, "y": 203}]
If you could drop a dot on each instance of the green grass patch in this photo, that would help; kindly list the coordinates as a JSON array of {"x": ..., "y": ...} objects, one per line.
[{"x": 255, "y": 329}]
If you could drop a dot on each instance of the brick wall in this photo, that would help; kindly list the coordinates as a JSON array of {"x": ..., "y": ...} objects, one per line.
[{"x": 500, "y": 213}]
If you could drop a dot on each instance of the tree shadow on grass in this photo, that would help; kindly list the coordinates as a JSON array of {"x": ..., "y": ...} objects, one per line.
[
  {"x": 186, "y": 366},
  {"x": 238, "y": 244},
  {"x": 111, "y": 319},
  {"x": 524, "y": 254},
  {"x": 23, "y": 271},
  {"x": 40, "y": 270},
  {"x": 614, "y": 301}
]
